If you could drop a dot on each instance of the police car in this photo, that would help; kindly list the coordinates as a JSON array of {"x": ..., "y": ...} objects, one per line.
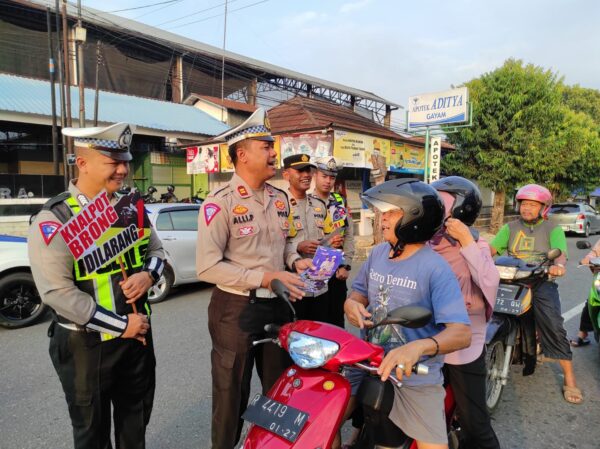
[{"x": 20, "y": 303}]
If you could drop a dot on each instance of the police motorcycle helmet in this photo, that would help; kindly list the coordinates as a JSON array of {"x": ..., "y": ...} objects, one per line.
[
  {"x": 422, "y": 206},
  {"x": 468, "y": 199}
]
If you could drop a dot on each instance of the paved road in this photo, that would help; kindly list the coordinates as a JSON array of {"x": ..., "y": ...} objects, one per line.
[{"x": 532, "y": 413}]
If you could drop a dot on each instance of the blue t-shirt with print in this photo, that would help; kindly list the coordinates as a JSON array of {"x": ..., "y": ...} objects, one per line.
[{"x": 424, "y": 279}]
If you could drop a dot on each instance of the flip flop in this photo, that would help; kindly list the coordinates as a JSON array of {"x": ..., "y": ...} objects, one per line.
[
  {"x": 572, "y": 395},
  {"x": 580, "y": 342}
]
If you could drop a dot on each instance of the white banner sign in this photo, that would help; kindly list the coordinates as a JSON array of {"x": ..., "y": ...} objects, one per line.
[
  {"x": 438, "y": 108},
  {"x": 435, "y": 156},
  {"x": 203, "y": 159}
]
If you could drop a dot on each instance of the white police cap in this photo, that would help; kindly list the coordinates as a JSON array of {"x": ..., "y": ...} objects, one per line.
[
  {"x": 256, "y": 127},
  {"x": 112, "y": 141},
  {"x": 329, "y": 165}
]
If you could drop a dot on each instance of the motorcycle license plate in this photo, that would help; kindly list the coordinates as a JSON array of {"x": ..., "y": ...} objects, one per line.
[
  {"x": 278, "y": 418},
  {"x": 509, "y": 299}
]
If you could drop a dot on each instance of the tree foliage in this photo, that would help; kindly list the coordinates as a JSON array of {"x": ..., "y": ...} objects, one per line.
[{"x": 528, "y": 127}]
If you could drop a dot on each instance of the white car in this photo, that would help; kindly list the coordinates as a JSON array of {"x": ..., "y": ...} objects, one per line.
[
  {"x": 20, "y": 303},
  {"x": 177, "y": 227}
]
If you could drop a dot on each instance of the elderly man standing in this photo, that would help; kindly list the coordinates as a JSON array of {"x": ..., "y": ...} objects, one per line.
[
  {"x": 242, "y": 246},
  {"x": 101, "y": 350},
  {"x": 337, "y": 207}
]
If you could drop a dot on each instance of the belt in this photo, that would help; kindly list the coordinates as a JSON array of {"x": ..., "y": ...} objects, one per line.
[{"x": 263, "y": 293}]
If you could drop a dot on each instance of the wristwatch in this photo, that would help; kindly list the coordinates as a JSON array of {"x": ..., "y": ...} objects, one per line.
[{"x": 153, "y": 275}]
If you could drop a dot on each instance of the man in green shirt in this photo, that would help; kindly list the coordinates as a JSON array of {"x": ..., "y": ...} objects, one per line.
[{"x": 530, "y": 238}]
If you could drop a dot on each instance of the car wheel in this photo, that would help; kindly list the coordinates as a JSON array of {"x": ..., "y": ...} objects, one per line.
[
  {"x": 159, "y": 291},
  {"x": 20, "y": 302},
  {"x": 587, "y": 230}
]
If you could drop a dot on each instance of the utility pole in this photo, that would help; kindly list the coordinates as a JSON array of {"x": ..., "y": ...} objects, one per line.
[
  {"x": 98, "y": 62},
  {"x": 62, "y": 92},
  {"x": 52, "y": 93},
  {"x": 67, "y": 72},
  {"x": 80, "y": 37},
  {"x": 223, "y": 65}
]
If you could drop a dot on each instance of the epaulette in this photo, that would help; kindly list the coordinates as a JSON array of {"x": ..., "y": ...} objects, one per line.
[
  {"x": 314, "y": 197},
  {"x": 277, "y": 188},
  {"x": 61, "y": 197},
  {"x": 220, "y": 192}
]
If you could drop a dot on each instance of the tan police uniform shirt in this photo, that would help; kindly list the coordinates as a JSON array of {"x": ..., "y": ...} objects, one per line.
[
  {"x": 241, "y": 236},
  {"x": 52, "y": 266}
]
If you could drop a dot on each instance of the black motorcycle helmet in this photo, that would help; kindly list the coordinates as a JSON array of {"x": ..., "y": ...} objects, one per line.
[
  {"x": 170, "y": 188},
  {"x": 151, "y": 190},
  {"x": 423, "y": 208},
  {"x": 467, "y": 204}
]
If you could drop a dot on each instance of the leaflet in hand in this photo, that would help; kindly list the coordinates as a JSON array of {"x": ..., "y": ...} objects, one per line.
[{"x": 326, "y": 261}]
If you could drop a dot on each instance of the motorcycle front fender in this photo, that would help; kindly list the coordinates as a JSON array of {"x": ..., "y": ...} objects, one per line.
[{"x": 321, "y": 394}]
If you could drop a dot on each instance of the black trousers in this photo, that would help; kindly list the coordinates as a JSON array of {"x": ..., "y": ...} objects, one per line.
[
  {"x": 328, "y": 307},
  {"x": 234, "y": 322},
  {"x": 468, "y": 385},
  {"x": 96, "y": 374},
  {"x": 550, "y": 323},
  {"x": 585, "y": 322}
]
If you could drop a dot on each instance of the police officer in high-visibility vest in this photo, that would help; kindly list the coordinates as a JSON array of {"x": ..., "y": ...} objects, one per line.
[
  {"x": 310, "y": 223},
  {"x": 102, "y": 351},
  {"x": 327, "y": 171}
]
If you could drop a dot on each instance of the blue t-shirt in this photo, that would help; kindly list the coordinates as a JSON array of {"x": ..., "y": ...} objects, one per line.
[{"x": 424, "y": 279}]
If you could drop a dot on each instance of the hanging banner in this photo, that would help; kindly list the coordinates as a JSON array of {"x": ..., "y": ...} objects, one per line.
[
  {"x": 435, "y": 156},
  {"x": 438, "y": 108},
  {"x": 101, "y": 232},
  {"x": 406, "y": 158},
  {"x": 204, "y": 159},
  {"x": 316, "y": 145},
  {"x": 355, "y": 150}
]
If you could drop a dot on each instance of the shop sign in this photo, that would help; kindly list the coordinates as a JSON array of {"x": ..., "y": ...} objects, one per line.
[
  {"x": 316, "y": 145},
  {"x": 355, "y": 150},
  {"x": 435, "y": 157},
  {"x": 204, "y": 159},
  {"x": 406, "y": 158},
  {"x": 439, "y": 108}
]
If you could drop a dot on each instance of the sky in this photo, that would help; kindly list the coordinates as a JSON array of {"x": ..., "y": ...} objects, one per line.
[{"x": 393, "y": 48}]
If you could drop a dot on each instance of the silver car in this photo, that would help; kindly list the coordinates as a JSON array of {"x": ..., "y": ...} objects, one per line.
[
  {"x": 579, "y": 218},
  {"x": 177, "y": 227}
]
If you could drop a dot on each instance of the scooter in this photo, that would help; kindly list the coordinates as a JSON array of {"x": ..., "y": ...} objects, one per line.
[
  {"x": 305, "y": 407},
  {"x": 594, "y": 295},
  {"x": 148, "y": 198},
  {"x": 511, "y": 334}
]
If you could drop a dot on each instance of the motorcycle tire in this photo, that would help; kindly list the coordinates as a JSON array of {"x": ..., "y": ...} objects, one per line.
[
  {"x": 20, "y": 302},
  {"x": 159, "y": 291},
  {"x": 494, "y": 361}
]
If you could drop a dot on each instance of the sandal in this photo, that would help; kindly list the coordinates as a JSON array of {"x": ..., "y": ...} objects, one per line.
[
  {"x": 572, "y": 395},
  {"x": 580, "y": 342}
]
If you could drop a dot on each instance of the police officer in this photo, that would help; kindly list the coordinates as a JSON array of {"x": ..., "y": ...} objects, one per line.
[
  {"x": 96, "y": 341},
  {"x": 327, "y": 171},
  {"x": 309, "y": 224},
  {"x": 242, "y": 246}
]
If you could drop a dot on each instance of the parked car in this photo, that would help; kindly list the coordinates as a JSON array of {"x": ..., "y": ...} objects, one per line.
[
  {"x": 177, "y": 227},
  {"x": 580, "y": 218},
  {"x": 20, "y": 302}
]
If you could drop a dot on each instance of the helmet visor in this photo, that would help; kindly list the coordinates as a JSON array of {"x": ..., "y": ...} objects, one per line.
[{"x": 382, "y": 206}]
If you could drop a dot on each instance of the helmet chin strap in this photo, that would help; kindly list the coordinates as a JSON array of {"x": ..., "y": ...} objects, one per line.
[{"x": 397, "y": 249}]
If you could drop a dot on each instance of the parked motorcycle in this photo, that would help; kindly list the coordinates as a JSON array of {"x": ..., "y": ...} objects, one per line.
[
  {"x": 305, "y": 407},
  {"x": 149, "y": 196},
  {"x": 594, "y": 295},
  {"x": 169, "y": 197},
  {"x": 511, "y": 335}
]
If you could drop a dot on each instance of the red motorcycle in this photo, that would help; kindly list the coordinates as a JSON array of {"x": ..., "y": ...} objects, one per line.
[{"x": 305, "y": 407}]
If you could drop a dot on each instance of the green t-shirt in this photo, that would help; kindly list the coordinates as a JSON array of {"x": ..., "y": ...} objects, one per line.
[{"x": 529, "y": 242}]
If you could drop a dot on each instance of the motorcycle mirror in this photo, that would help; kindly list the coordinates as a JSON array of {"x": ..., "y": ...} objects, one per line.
[
  {"x": 554, "y": 253},
  {"x": 409, "y": 316},
  {"x": 283, "y": 293},
  {"x": 583, "y": 244}
]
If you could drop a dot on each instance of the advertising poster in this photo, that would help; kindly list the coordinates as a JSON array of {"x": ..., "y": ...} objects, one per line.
[
  {"x": 355, "y": 149},
  {"x": 101, "y": 232},
  {"x": 405, "y": 158},
  {"x": 204, "y": 159},
  {"x": 316, "y": 145}
]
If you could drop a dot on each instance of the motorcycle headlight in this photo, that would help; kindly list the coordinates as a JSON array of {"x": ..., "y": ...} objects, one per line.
[
  {"x": 506, "y": 272},
  {"x": 520, "y": 274},
  {"x": 310, "y": 352}
]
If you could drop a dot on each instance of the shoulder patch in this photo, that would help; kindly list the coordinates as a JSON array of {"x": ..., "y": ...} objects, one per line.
[
  {"x": 210, "y": 211},
  {"x": 49, "y": 229}
]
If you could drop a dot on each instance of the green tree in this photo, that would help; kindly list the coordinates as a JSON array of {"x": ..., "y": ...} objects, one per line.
[
  {"x": 580, "y": 99},
  {"x": 523, "y": 132}
]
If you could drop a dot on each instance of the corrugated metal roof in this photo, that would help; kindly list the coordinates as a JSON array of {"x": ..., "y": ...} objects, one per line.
[
  {"x": 228, "y": 104},
  {"x": 107, "y": 20},
  {"x": 32, "y": 96}
]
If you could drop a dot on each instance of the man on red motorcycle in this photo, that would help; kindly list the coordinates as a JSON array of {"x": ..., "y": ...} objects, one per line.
[
  {"x": 404, "y": 271},
  {"x": 529, "y": 238}
]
